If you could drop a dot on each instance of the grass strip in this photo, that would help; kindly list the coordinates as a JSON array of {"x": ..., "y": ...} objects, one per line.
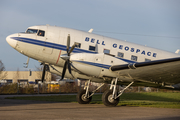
[{"x": 153, "y": 99}]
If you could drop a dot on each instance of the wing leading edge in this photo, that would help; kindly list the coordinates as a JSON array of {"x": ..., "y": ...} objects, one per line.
[
  {"x": 165, "y": 72},
  {"x": 142, "y": 64}
]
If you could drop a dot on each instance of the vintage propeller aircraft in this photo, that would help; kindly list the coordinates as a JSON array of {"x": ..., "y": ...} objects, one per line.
[{"x": 99, "y": 59}]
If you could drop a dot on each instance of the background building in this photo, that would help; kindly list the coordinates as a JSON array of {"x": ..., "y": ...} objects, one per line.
[{"x": 23, "y": 76}]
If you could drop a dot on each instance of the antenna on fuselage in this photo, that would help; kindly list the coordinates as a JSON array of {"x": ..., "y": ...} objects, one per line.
[
  {"x": 91, "y": 30},
  {"x": 27, "y": 63},
  {"x": 177, "y": 51}
]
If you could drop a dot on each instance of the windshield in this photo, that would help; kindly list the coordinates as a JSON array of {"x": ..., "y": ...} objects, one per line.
[{"x": 32, "y": 31}]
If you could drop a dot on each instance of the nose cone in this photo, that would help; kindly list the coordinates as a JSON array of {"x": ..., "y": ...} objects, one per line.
[{"x": 11, "y": 41}]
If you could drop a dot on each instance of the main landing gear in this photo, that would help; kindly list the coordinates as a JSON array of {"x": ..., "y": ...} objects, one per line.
[
  {"x": 109, "y": 97},
  {"x": 84, "y": 96}
]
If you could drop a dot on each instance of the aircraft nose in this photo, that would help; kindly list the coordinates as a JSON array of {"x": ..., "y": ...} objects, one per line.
[{"x": 12, "y": 42}]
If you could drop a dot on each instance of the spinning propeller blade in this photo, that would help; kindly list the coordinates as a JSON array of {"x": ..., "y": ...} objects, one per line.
[
  {"x": 67, "y": 62},
  {"x": 69, "y": 67},
  {"x": 68, "y": 43},
  {"x": 64, "y": 70},
  {"x": 72, "y": 48}
]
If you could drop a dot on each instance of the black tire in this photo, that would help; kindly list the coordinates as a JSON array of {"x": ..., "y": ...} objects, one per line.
[
  {"x": 81, "y": 97},
  {"x": 106, "y": 99}
]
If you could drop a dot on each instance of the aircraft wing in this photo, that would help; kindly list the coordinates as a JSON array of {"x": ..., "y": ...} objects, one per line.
[{"x": 165, "y": 71}]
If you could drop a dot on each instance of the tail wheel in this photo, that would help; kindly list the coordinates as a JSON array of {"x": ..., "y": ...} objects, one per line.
[
  {"x": 82, "y": 99},
  {"x": 108, "y": 100}
]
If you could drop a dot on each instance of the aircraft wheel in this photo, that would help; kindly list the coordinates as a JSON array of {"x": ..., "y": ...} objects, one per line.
[
  {"x": 82, "y": 99},
  {"x": 108, "y": 100}
]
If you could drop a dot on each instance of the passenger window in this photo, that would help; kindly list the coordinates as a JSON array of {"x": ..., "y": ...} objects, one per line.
[
  {"x": 121, "y": 55},
  {"x": 31, "y": 31},
  {"x": 106, "y": 51},
  {"x": 92, "y": 48},
  {"x": 41, "y": 33},
  {"x": 78, "y": 45},
  {"x": 147, "y": 60},
  {"x": 134, "y": 58}
]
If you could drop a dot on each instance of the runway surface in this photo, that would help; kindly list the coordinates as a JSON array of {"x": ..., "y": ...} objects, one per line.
[{"x": 26, "y": 109}]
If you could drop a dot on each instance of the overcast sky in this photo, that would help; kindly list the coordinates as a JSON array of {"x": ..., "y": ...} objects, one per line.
[{"x": 155, "y": 23}]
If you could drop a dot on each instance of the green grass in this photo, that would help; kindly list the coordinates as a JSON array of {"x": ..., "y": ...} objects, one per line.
[{"x": 153, "y": 99}]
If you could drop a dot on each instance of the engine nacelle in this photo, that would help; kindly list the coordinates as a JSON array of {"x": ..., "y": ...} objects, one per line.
[{"x": 89, "y": 64}]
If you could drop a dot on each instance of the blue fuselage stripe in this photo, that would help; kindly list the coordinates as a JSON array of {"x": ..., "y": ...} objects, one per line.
[
  {"x": 63, "y": 47},
  {"x": 94, "y": 64},
  {"x": 50, "y": 45}
]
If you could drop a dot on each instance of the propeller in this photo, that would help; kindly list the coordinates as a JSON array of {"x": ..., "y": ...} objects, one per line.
[
  {"x": 45, "y": 68},
  {"x": 66, "y": 57}
]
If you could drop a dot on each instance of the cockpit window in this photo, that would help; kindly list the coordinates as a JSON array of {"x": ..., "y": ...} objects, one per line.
[
  {"x": 32, "y": 31},
  {"x": 41, "y": 33}
]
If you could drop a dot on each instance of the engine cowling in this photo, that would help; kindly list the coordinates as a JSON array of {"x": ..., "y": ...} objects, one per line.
[{"x": 89, "y": 64}]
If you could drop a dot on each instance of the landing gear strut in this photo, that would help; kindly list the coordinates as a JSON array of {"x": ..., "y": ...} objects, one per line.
[
  {"x": 111, "y": 97},
  {"x": 85, "y": 96}
]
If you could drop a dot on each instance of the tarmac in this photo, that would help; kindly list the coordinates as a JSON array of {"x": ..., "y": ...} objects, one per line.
[{"x": 40, "y": 110}]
